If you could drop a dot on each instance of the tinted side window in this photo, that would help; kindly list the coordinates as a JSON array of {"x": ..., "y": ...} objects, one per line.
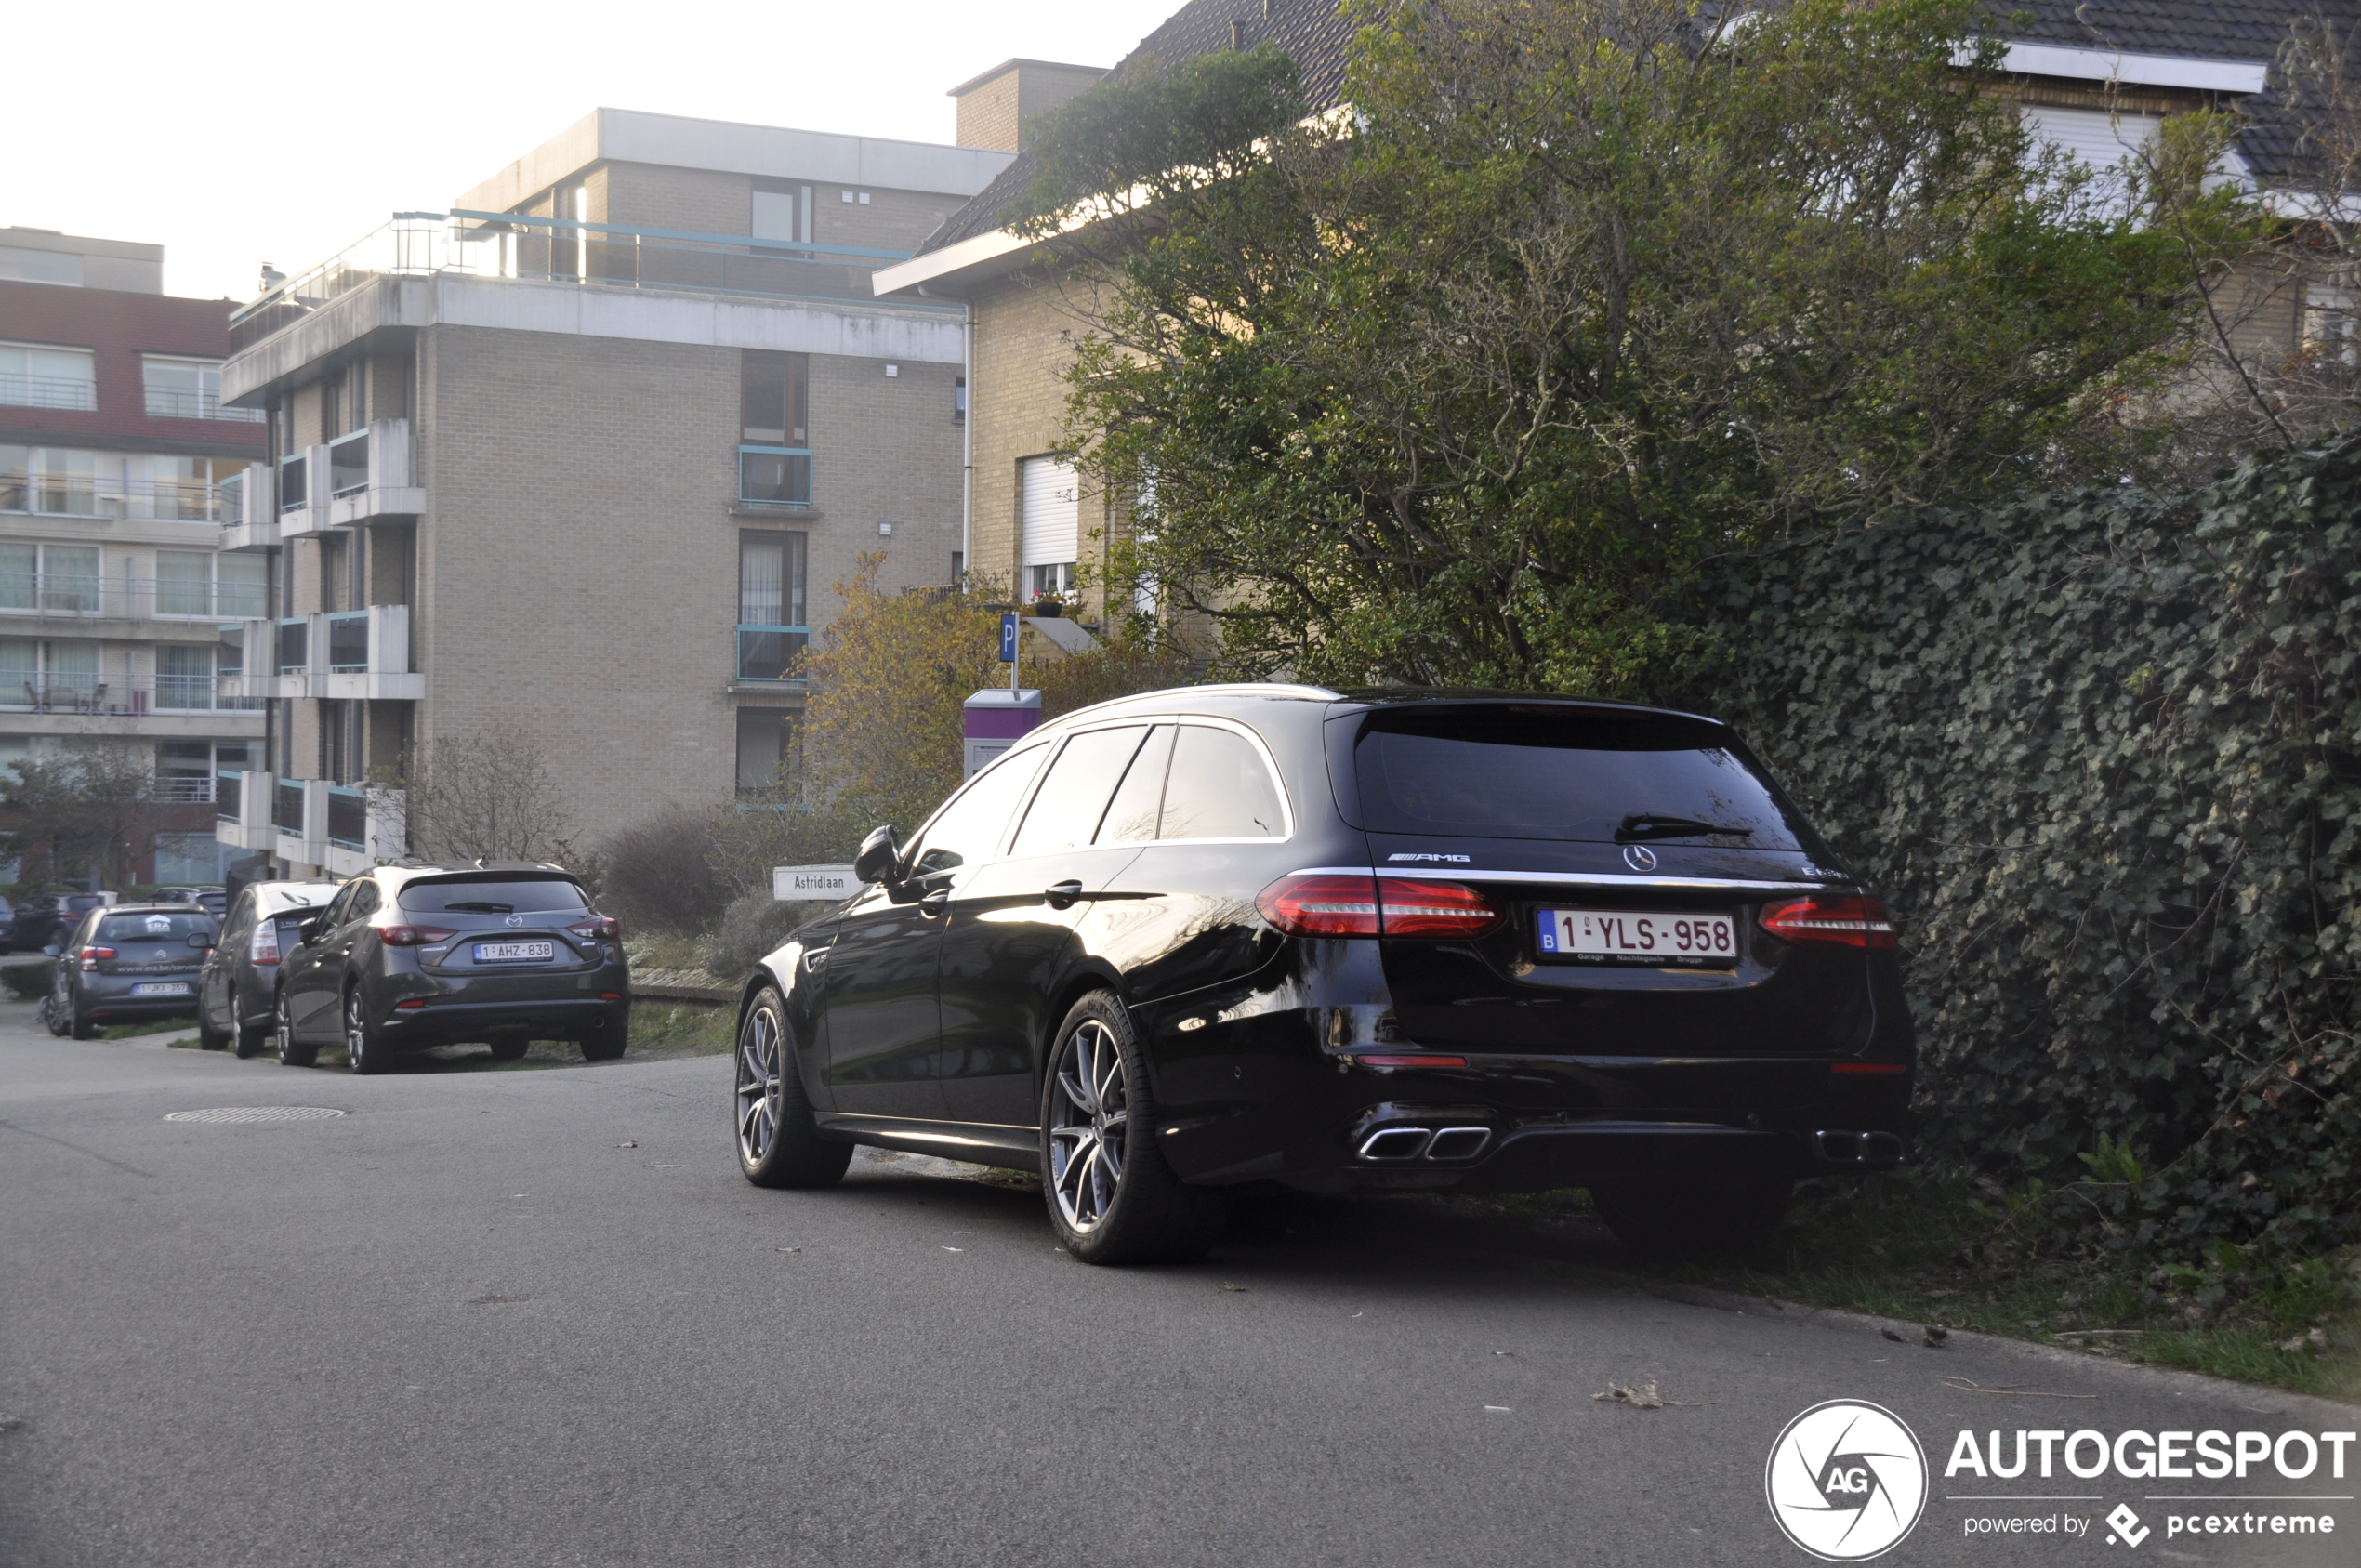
[
  {"x": 233, "y": 930},
  {"x": 334, "y": 915},
  {"x": 365, "y": 900},
  {"x": 1219, "y": 788},
  {"x": 1131, "y": 816},
  {"x": 1066, "y": 810},
  {"x": 970, "y": 828}
]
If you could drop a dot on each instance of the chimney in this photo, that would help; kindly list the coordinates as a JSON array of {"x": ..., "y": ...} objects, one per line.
[{"x": 995, "y": 106}]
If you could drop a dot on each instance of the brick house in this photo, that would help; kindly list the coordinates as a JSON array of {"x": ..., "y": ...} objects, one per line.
[
  {"x": 579, "y": 461},
  {"x": 115, "y": 444}
]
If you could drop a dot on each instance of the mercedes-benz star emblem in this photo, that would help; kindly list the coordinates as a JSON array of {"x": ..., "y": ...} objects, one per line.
[{"x": 1639, "y": 857}]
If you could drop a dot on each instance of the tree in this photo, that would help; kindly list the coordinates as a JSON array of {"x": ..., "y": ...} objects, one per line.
[
  {"x": 1581, "y": 292},
  {"x": 489, "y": 795},
  {"x": 93, "y": 809}
]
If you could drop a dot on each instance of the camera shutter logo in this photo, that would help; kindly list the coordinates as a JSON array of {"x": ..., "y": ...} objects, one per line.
[{"x": 1846, "y": 1481}]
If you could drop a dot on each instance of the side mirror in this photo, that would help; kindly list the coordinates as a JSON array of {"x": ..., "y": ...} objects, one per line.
[
  {"x": 308, "y": 931},
  {"x": 51, "y": 950},
  {"x": 199, "y": 939},
  {"x": 879, "y": 858}
]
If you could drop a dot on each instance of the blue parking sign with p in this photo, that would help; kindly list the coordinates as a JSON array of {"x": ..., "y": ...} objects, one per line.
[{"x": 1009, "y": 638}]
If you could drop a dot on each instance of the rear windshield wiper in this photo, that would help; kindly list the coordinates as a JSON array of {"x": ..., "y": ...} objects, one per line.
[
  {"x": 477, "y": 906},
  {"x": 1642, "y": 825}
]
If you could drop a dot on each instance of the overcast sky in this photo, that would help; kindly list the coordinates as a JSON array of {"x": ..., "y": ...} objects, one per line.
[{"x": 237, "y": 135}]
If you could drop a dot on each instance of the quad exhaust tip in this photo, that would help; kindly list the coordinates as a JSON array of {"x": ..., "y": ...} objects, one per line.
[{"x": 1401, "y": 1145}]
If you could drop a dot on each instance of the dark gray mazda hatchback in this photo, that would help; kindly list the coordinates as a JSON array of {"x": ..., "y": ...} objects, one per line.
[{"x": 1183, "y": 943}]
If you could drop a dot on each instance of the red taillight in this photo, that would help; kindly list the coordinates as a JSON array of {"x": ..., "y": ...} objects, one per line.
[
  {"x": 264, "y": 948},
  {"x": 1409, "y": 908},
  {"x": 1853, "y": 922},
  {"x": 412, "y": 936},
  {"x": 598, "y": 927},
  {"x": 90, "y": 956},
  {"x": 1322, "y": 906},
  {"x": 412, "y": 1005},
  {"x": 1326, "y": 904}
]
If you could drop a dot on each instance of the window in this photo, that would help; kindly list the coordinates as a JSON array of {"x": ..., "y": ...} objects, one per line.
[
  {"x": 189, "y": 857},
  {"x": 970, "y": 828},
  {"x": 774, "y": 454},
  {"x": 1219, "y": 788},
  {"x": 183, "y": 389},
  {"x": 1065, "y": 813},
  {"x": 50, "y": 674},
  {"x": 62, "y": 578},
  {"x": 771, "y": 605},
  {"x": 29, "y": 266},
  {"x": 48, "y": 479},
  {"x": 766, "y": 739},
  {"x": 184, "y": 678},
  {"x": 959, "y": 401},
  {"x": 33, "y": 376},
  {"x": 1051, "y": 525},
  {"x": 184, "y": 583},
  {"x": 782, "y": 211},
  {"x": 184, "y": 770},
  {"x": 1131, "y": 815},
  {"x": 242, "y": 585}
]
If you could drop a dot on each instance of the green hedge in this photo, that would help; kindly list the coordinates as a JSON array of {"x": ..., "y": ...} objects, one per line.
[{"x": 2103, "y": 754}]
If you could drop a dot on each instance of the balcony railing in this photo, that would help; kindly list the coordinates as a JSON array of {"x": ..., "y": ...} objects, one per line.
[
  {"x": 116, "y": 696},
  {"x": 348, "y": 642},
  {"x": 295, "y": 645},
  {"x": 293, "y": 490},
  {"x": 227, "y": 782},
  {"x": 287, "y": 807},
  {"x": 184, "y": 789},
  {"x": 495, "y": 245},
  {"x": 20, "y": 390},
  {"x": 771, "y": 653},
  {"x": 348, "y": 463},
  {"x": 178, "y": 403},
  {"x": 349, "y": 818},
  {"x": 775, "y": 475},
  {"x": 66, "y": 493},
  {"x": 73, "y": 595}
]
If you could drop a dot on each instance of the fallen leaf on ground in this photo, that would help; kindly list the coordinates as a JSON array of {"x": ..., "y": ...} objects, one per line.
[
  {"x": 628, "y": 1143},
  {"x": 955, "y": 1249},
  {"x": 791, "y": 1249},
  {"x": 1936, "y": 1335},
  {"x": 1239, "y": 1288},
  {"x": 1639, "y": 1396},
  {"x": 1890, "y": 1335}
]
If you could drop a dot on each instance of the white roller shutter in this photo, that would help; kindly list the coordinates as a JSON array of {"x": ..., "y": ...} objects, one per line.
[
  {"x": 1052, "y": 518},
  {"x": 2093, "y": 135}
]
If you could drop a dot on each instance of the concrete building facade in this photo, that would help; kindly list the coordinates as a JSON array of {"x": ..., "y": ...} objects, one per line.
[
  {"x": 578, "y": 463},
  {"x": 118, "y": 464}
]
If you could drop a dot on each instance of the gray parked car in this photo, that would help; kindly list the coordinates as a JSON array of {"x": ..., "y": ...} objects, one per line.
[
  {"x": 238, "y": 993},
  {"x": 126, "y": 962}
]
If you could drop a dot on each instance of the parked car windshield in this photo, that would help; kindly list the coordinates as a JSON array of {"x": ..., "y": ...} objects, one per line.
[
  {"x": 155, "y": 925},
  {"x": 530, "y": 896},
  {"x": 1518, "y": 771}
]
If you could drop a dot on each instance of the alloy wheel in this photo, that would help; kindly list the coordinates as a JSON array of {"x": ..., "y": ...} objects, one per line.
[
  {"x": 283, "y": 1027},
  {"x": 761, "y": 1090},
  {"x": 1089, "y": 1112},
  {"x": 356, "y": 1032}
]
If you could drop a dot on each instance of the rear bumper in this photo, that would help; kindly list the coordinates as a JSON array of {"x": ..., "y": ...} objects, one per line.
[
  {"x": 115, "y": 1002},
  {"x": 440, "y": 1021}
]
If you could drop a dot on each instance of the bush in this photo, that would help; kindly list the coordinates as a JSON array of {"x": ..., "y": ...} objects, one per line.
[
  {"x": 659, "y": 874},
  {"x": 751, "y": 928},
  {"x": 2103, "y": 754}
]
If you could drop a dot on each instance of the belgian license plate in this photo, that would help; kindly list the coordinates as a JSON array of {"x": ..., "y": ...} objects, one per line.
[
  {"x": 1621, "y": 936},
  {"x": 515, "y": 951},
  {"x": 161, "y": 988}
]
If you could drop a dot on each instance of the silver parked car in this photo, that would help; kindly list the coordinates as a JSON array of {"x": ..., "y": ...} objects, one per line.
[{"x": 238, "y": 993}]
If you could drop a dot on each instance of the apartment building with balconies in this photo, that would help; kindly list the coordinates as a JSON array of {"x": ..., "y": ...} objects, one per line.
[
  {"x": 578, "y": 460},
  {"x": 114, "y": 449}
]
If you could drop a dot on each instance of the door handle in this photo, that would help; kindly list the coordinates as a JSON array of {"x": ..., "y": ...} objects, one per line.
[
  {"x": 1063, "y": 894},
  {"x": 936, "y": 901}
]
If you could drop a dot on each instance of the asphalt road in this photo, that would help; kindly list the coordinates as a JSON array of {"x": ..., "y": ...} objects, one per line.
[{"x": 468, "y": 1323}]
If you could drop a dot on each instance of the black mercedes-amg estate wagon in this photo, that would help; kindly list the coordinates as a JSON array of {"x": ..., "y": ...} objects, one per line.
[{"x": 1181, "y": 943}]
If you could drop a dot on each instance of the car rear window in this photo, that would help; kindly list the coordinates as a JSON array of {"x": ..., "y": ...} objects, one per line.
[
  {"x": 527, "y": 897},
  {"x": 156, "y": 926},
  {"x": 1512, "y": 770}
]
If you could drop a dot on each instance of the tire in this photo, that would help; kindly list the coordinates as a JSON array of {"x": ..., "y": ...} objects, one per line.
[
  {"x": 510, "y": 1049},
  {"x": 1668, "y": 1219},
  {"x": 246, "y": 1038},
  {"x": 292, "y": 1052},
  {"x": 608, "y": 1044},
  {"x": 1111, "y": 1197},
  {"x": 779, "y": 1145},
  {"x": 82, "y": 1028},
  {"x": 364, "y": 1049},
  {"x": 209, "y": 1037},
  {"x": 53, "y": 1017}
]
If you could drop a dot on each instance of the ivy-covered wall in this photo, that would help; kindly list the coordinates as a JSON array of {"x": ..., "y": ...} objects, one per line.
[{"x": 2102, "y": 753}]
